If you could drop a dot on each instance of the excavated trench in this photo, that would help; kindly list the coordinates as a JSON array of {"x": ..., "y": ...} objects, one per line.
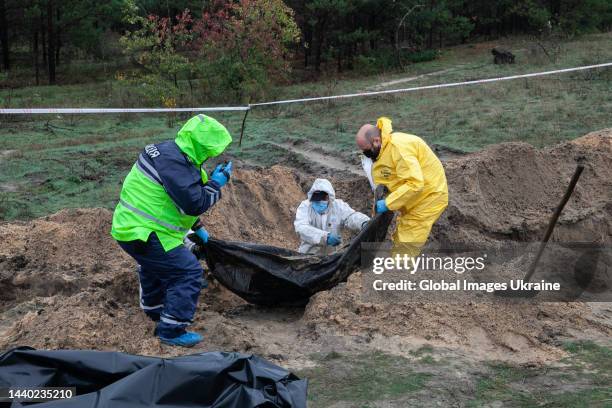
[{"x": 64, "y": 283}]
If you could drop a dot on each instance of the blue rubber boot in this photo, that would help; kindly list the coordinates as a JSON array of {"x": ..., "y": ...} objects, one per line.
[{"x": 187, "y": 339}]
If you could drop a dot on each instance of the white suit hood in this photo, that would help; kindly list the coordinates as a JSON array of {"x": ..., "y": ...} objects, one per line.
[
  {"x": 325, "y": 185},
  {"x": 313, "y": 228}
]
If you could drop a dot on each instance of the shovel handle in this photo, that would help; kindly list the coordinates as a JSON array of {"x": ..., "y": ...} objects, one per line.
[{"x": 554, "y": 219}]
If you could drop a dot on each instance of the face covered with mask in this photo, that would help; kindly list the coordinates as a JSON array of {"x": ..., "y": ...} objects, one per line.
[
  {"x": 369, "y": 141},
  {"x": 319, "y": 206},
  {"x": 372, "y": 152},
  {"x": 319, "y": 202}
]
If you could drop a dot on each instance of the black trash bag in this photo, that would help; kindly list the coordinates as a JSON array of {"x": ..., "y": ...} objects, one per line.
[
  {"x": 267, "y": 275},
  {"x": 119, "y": 380}
]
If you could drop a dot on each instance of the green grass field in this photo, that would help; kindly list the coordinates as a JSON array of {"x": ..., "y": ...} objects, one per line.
[
  {"x": 56, "y": 161},
  {"x": 424, "y": 379}
]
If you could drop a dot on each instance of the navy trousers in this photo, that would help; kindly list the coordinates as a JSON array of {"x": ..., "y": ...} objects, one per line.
[{"x": 170, "y": 284}]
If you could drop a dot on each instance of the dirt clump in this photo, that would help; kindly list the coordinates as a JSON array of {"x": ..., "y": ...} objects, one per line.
[{"x": 65, "y": 283}]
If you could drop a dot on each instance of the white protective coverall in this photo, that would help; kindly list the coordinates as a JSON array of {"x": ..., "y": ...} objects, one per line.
[{"x": 313, "y": 228}]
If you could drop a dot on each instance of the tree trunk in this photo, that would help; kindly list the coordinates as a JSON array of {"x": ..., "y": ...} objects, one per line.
[
  {"x": 57, "y": 50},
  {"x": 50, "y": 43},
  {"x": 372, "y": 27},
  {"x": 307, "y": 43},
  {"x": 555, "y": 10},
  {"x": 58, "y": 39},
  {"x": 43, "y": 37},
  {"x": 320, "y": 35},
  {"x": 35, "y": 52},
  {"x": 4, "y": 36}
]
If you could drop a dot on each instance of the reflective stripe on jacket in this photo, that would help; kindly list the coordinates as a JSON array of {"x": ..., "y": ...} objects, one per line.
[{"x": 166, "y": 190}]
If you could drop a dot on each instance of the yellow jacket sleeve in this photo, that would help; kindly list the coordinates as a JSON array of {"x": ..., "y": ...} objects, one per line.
[{"x": 408, "y": 170}]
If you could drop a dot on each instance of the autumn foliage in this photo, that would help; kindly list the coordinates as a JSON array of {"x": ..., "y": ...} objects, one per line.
[{"x": 230, "y": 51}]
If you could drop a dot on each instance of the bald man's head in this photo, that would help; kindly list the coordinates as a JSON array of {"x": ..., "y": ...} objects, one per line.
[{"x": 369, "y": 140}]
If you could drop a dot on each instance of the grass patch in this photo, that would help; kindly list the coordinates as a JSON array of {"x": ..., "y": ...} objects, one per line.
[
  {"x": 361, "y": 379},
  {"x": 55, "y": 165},
  {"x": 584, "y": 382},
  {"x": 425, "y": 349},
  {"x": 495, "y": 386},
  {"x": 378, "y": 379},
  {"x": 592, "y": 360},
  {"x": 428, "y": 360}
]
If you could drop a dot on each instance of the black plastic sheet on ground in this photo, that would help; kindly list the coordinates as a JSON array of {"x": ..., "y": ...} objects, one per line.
[
  {"x": 118, "y": 380},
  {"x": 267, "y": 275}
]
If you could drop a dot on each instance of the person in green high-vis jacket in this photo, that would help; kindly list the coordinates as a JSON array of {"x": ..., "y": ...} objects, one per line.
[{"x": 161, "y": 199}]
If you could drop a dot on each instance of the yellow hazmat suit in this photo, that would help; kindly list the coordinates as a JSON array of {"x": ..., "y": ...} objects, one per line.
[{"x": 417, "y": 184}]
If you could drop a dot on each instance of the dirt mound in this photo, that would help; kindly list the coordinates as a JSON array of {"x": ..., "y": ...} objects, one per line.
[
  {"x": 513, "y": 331},
  {"x": 59, "y": 254},
  {"x": 509, "y": 191},
  {"x": 64, "y": 283}
]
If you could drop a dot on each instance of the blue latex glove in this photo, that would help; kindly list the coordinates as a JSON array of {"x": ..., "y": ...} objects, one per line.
[
  {"x": 222, "y": 173},
  {"x": 381, "y": 206},
  {"x": 203, "y": 234},
  {"x": 333, "y": 239}
]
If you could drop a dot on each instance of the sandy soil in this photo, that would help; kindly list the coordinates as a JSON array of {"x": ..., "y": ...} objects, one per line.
[{"x": 64, "y": 283}]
